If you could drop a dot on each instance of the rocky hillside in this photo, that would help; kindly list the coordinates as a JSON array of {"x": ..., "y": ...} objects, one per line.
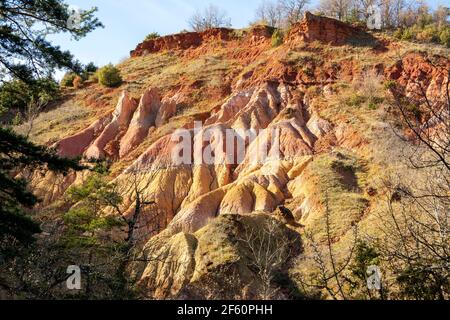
[{"x": 322, "y": 90}]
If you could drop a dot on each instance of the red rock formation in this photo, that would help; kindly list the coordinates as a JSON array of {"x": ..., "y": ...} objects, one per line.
[
  {"x": 181, "y": 41},
  {"x": 259, "y": 34},
  {"x": 75, "y": 145},
  {"x": 261, "y": 31},
  {"x": 143, "y": 119},
  {"x": 152, "y": 112},
  {"x": 204, "y": 191},
  {"x": 119, "y": 133},
  {"x": 191, "y": 195},
  {"x": 231, "y": 107},
  {"x": 323, "y": 29},
  {"x": 166, "y": 111},
  {"x": 119, "y": 123},
  {"x": 416, "y": 74},
  {"x": 191, "y": 40}
]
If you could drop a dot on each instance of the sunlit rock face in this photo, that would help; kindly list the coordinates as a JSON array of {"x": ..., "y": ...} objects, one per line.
[
  {"x": 193, "y": 193},
  {"x": 323, "y": 29},
  {"x": 181, "y": 41},
  {"x": 106, "y": 142},
  {"x": 189, "y": 195}
]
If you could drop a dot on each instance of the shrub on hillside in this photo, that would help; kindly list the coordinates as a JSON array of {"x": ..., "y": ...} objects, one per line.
[
  {"x": 88, "y": 71},
  {"x": 67, "y": 80},
  {"x": 398, "y": 33},
  {"x": 152, "y": 36},
  {"x": 109, "y": 76},
  {"x": 431, "y": 33},
  {"x": 444, "y": 37},
  {"x": 16, "y": 95},
  {"x": 277, "y": 38},
  {"x": 90, "y": 67},
  {"x": 13, "y": 96},
  {"x": 408, "y": 34},
  {"x": 93, "y": 77},
  {"x": 355, "y": 100}
]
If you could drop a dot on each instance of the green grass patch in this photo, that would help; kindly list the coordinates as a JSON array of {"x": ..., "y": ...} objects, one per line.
[{"x": 337, "y": 179}]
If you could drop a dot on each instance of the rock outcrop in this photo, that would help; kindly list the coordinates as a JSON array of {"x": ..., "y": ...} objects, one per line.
[
  {"x": 205, "y": 191},
  {"x": 314, "y": 108},
  {"x": 120, "y": 120},
  {"x": 318, "y": 145},
  {"x": 191, "y": 195},
  {"x": 166, "y": 111},
  {"x": 142, "y": 120},
  {"x": 172, "y": 264},
  {"x": 323, "y": 29},
  {"x": 115, "y": 135},
  {"x": 180, "y": 265},
  {"x": 76, "y": 145},
  {"x": 181, "y": 41},
  {"x": 311, "y": 28},
  {"x": 418, "y": 76}
]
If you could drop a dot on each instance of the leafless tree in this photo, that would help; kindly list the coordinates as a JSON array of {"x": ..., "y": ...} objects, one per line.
[
  {"x": 40, "y": 271},
  {"x": 418, "y": 216},
  {"x": 428, "y": 121},
  {"x": 33, "y": 110},
  {"x": 138, "y": 180},
  {"x": 269, "y": 12},
  {"x": 362, "y": 8},
  {"x": 210, "y": 17},
  {"x": 335, "y": 8},
  {"x": 410, "y": 12},
  {"x": 415, "y": 245},
  {"x": 268, "y": 251},
  {"x": 133, "y": 186},
  {"x": 281, "y": 13},
  {"x": 130, "y": 190},
  {"x": 330, "y": 269},
  {"x": 293, "y": 10},
  {"x": 391, "y": 11},
  {"x": 441, "y": 15}
]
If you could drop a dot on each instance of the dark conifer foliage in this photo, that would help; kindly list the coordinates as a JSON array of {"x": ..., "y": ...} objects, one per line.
[
  {"x": 28, "y": 57},
  {"x": 25, "y": 53},
  {"x": 16, "y": 152}
]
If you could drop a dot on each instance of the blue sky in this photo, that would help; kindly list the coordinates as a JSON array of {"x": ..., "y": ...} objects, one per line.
[{"x": 128, "y": 22}]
